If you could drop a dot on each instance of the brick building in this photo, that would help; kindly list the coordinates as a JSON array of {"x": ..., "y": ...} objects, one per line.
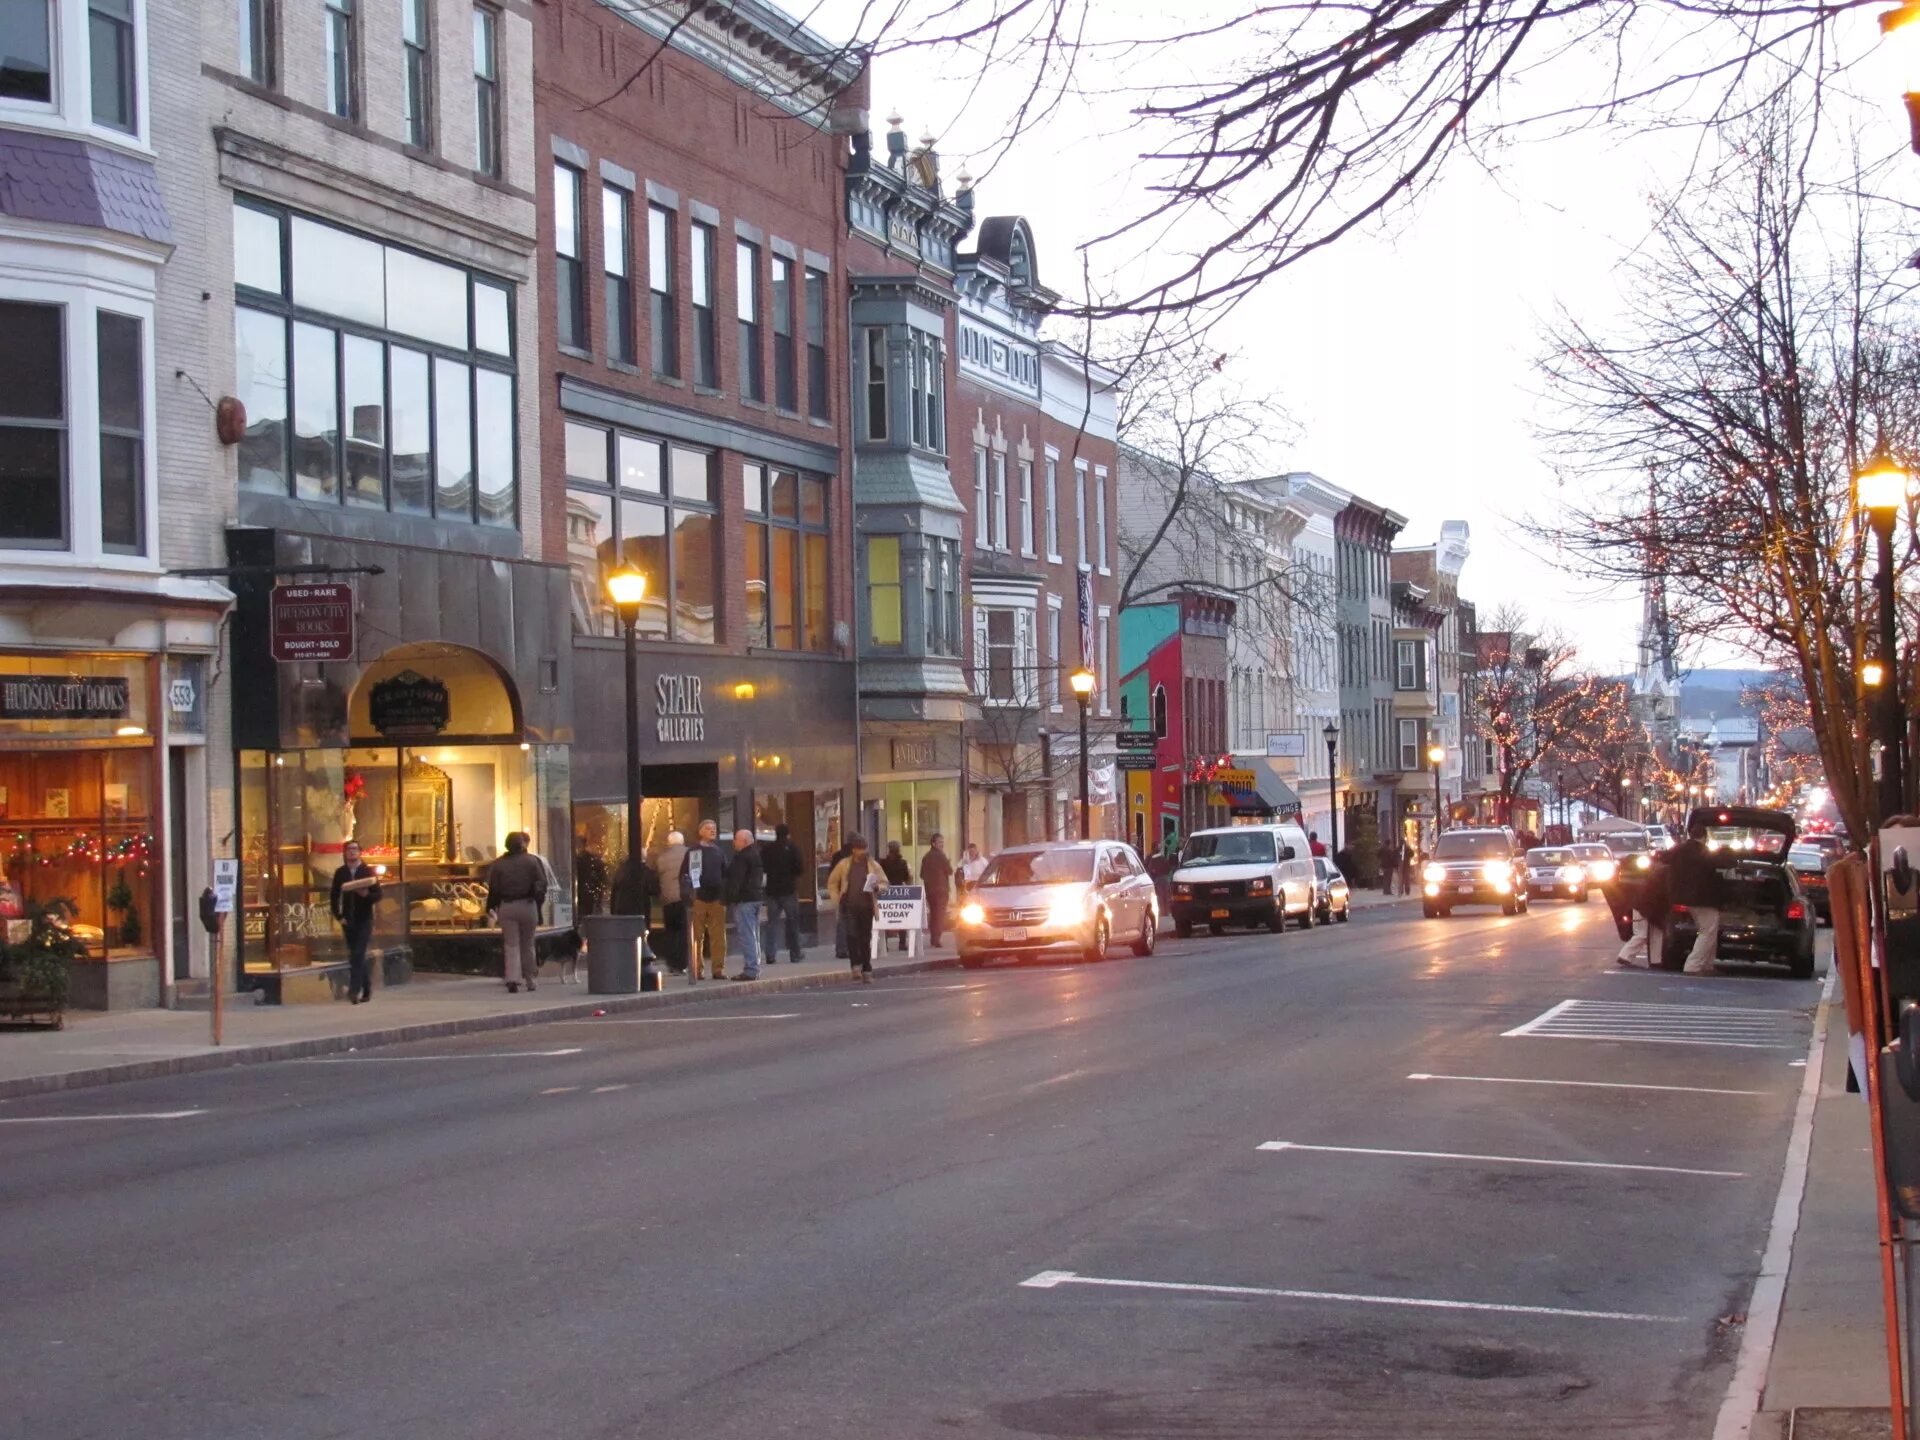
[{"x": 693, "y": 360}]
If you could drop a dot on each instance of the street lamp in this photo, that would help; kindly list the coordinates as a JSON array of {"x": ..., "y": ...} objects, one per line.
[
  {"x": 1898, "y": 19},
  {"x": 1882, "y": 489},
  {"x": 1332, "y": 734},
  {"x": 627, "y": 587},
  {"x": 1081, "y": 682},
  {"x": 1436, "y": 756}
]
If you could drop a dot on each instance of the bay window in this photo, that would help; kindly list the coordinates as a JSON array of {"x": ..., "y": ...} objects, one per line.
[
  {"x": 111, "y": 58},
  {"x": 884, "y": 620},
  {"x": 33, "y": 415}
]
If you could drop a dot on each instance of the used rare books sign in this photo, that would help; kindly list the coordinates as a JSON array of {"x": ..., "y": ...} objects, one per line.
[
  {"x": 312, "y": 622},
  {"x": 63, "y": 697}
]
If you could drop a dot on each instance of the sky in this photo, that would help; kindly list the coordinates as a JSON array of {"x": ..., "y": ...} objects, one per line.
[{"x": 1406, "y": 355}]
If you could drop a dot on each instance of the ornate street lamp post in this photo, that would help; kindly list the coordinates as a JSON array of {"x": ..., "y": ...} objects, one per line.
[
  {"x": 1332, "y": 735},
  {"x": 1882, "y": 489},
  {"x": 1081, "y": 682},
  {"x": 627, "y": 587},
  {"x": 1436, "y": 757}
]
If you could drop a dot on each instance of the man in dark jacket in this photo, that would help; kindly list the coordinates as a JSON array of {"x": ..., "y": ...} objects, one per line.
[
  {"x": 936, "y": 876},
  {"x": 356, "y": 890},
  {"x": 893, "y": 865},
  {"x": 516, "y": 889},
  {"x": 1694, "y": 881},
  {"x": 745, "y": 887},
  {"x": 783, "y": 863},
  {"x": 703, "y": 877},
  {"x": 1650, "y": 900}
]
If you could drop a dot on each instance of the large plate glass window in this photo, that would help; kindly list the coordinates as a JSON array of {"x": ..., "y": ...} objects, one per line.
[{"x": 786, "y": 554}]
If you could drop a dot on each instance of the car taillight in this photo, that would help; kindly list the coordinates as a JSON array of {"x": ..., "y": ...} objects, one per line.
[
  {"x": 1796, "y": 911},
  {"x": 1681, "y": 910}
]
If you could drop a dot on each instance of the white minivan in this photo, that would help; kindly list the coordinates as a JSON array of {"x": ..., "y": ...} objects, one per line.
[{"x": 1243, "y": 875}]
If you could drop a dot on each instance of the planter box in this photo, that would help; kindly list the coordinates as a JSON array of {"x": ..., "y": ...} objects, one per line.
[{"x": 19, "y": 1006}]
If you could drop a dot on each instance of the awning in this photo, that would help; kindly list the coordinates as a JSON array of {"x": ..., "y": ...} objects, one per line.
[{"x": 1254, "y": 787}]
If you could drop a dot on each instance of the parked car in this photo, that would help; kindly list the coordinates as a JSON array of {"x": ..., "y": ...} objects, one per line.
[
  {"x": 1243, "y": 875},
  {"x": 1071, "y": 898},
  {"x": 1826, "y": 842},
  {"x": 1475, "y": 867},
  {"x": 1332, "y": 896},
  {"x": 1660, "y": 837},
  {"x": 1809, "y": 865},
  {"x": 1556, "y": 873},
  {"x": 1764, "y": 913},
  {"x": 1597, "y": 860}
]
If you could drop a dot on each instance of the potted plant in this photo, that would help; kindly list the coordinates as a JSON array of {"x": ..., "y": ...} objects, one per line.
[
  {"x": 33, "y": 971},
  {"x": 120, "y": 901}
]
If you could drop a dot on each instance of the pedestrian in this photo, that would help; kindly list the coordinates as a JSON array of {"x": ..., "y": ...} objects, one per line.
[
  {"x": 516, "y": 888},
  {"x": 703, "y": 878},
  {"x": 972, "y": 868},
  {"x": 936, "y": 878},
  {"x": 839, "y": 920},
  {"x": 1389, "y": 863},
  {"x": 893, "y": 865},
  {"x": 1343, "y": 861},
  {"x": 745, "y": 887},
  {"x": 1648, "y": 926},
  {"x": 1411, "y": 860},
  {"x": 851, "y": 887},
  {"x": 356, "y": 890},
  {"x": 673, "y": 902},
  {"x": 783, "y": 864},
  {"x": 1316, "y": 847},
  {"x": 1693, "y": 881}
]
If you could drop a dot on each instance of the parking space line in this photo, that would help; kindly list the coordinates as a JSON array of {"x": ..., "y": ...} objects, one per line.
[
  {"x": 1502, "y": 1159},
  {"x": 359, "y": 1059},
  {"x": 695, "y": 1019},
  {"x": 1588, "y": 1084},
  {"x": 124, "y": 1115},
  {"x": 1051, "y": 1279}
]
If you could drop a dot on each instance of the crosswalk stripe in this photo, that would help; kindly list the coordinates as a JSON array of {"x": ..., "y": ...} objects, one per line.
[{"x": 1735, "y": 1027}]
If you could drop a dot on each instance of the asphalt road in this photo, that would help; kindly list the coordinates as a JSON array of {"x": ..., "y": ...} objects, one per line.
[{"x": 882, "y": 1211}]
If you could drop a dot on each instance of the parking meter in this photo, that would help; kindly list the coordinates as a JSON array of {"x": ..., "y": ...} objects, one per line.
[{"x": 210, "y": 917}]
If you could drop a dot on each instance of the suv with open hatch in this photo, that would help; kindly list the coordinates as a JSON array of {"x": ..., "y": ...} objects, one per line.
[
  {"x": 1243, "y": 875},
  {"x": 1062, "y": 899},
  {"x": 1475, "y": 867},
  {"x": 1764, "y": 912}
]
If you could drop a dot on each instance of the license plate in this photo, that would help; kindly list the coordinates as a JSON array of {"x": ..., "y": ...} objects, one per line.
[
  {"x": 1219, "y": 914},
  {"x": 1463, "y": 889},
  {"x": 1015, "y": 934}
]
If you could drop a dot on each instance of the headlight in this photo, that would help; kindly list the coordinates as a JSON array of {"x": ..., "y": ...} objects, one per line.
[
  {"x": 1601, "y": 870},
  {"x": 1068, "y": 910},
  {"x": 1493, "y": 872},
  {"x": 1434, "y": 873},
  {"x": 1431, "y": 887},
  {"x": 1570, "y": 874},
  {"x": 972, "y": 914},
  {"x": 1183, "y": 892},
  {"x": 1643, "y": 862},
  {"x": 1262, "y": 886}
]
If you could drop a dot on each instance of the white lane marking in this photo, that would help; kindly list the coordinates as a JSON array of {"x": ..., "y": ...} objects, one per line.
[
  {"x": 561, "y": 1090},
  {"x": 1050, "y": 1279},
  {"x": 359, "y": 1059},
  {"x": 1528, "y": 1028},
  {"x": 696, "y": 1019},
  {"x": 1714, "y": 1009},
  {"x": 1740, "y": 1027},
  {"x": 1588, "y": 1084},
  {"x": 607, "y": 1089},
  {"x": 125, "y": 1115},
  {"x": 1742, "y": 1402},
  {"x": 1502, "y": 1159}
]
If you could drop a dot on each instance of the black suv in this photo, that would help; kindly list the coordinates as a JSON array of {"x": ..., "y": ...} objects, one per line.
[
  {"x": 1475, "y": 867},
  {"x": 1764, "y": 913}
]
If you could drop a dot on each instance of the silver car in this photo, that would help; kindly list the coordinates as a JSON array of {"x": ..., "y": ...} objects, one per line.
[{"x": 1064, "y": 898}]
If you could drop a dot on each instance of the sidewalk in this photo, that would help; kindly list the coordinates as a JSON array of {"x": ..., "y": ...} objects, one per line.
[
  {"x": 1827, "y": 1376},
  {"x": 100, "y": 1049}
]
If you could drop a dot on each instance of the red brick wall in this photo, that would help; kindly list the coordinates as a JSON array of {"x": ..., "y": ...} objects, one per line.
[{"x": 690, "y": 129}]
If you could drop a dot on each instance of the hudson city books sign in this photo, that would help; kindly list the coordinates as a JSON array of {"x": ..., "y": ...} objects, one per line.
[{"x": 63, "y": 697}]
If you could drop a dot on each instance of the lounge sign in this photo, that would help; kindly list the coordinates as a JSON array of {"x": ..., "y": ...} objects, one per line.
[{"x": 63, "y": 697}]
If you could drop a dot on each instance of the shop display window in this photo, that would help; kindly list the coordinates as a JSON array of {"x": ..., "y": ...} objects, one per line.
[{"x": 79, "y": 825}]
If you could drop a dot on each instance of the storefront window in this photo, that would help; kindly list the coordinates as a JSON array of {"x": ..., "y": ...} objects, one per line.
[
  {"x": 600, "y": 840},
  {"x": 79, "y": 825}
]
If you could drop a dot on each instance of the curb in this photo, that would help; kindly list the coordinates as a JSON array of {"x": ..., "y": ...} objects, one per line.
[{"x": 439, "y": 1029}]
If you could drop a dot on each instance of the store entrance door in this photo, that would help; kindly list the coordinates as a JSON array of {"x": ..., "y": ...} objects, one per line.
[{"x": 180, "y": 937}]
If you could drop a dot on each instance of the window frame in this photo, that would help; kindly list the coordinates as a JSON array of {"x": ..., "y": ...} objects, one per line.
[
  {"x": 771, "y": 525},
  {"x": 128, "y": 28},
  {"x": 258, "y": 54},
  {"x": 819, "y": 376},
  {"x": 63, "y": 308},
  {"x": 416, "y": 73},
  {"x": 749, "y": 308},
  {"x": 1053, "y": 506},
  {"x": 617, "y": 284},
  {"x": 1055, "y": 666},
  {"x": 1081, "y": 475},
  {"x": 663, "y": 315},
  {"x": 786, "y": 377},
  {"x": 569, "y": 266},
  {"x": 487, "y": 158},
  {"x": 894, "y": 596},
  {"x": 1001, "y": 540},
  {"x": 341, "y": 19},
  {"x": 874, "y": 381},
  {"x": 1102, "y": 554},
  {"x": 1408, "y": 751},
  {"x": 706, "y": 336},
  {"x": 982, "y": 519},
  {"x": 1026, "y": 507}
]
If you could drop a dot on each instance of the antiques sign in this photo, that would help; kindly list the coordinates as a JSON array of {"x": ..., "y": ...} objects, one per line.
[
  {"x": 62, "y": 697},
  {"x": 409, "y": 706},
  {"x": 312, "y": 622},
  {"x": 680, "y": 711}
]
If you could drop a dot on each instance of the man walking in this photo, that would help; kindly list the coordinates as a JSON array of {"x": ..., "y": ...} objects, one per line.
[
  {"x": 782, "y": 863},
  {"x": 936, "y": 877},
  {"x": 673, "y": 903},
  {"x": 746, "y": 887},
  {"x": 1650, "y": 902},
  {"x": 516, "y": 889},
  {"x": 703, "y": 877},
  {"x": 850, "y": 887},
  {"x": 356, "y": 890},
  {"x": 1694, "y": 882},
  {"x": 1389, "y": 864}
]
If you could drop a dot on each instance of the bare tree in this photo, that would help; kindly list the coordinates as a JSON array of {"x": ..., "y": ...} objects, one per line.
[
  {"x": 1540, "y": 711},
  {"x": 1764, "y": 359}
]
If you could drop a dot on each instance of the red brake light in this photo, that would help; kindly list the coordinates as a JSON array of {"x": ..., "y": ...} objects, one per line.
[
  {"x": 1796, "y": 911},
  {"x": 1681, "y": 910}
]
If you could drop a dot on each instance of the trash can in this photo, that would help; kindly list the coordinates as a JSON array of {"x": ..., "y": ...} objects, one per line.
[{"x": 616, "y": 954}]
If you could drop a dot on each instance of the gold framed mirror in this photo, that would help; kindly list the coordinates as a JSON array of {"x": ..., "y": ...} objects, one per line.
[{"x": 426, "y": 812}]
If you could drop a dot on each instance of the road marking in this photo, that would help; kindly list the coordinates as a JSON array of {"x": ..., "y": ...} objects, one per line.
[
  {"x": 1051, "y": 1279},
  {"x": 358, "y": 1059},
  {"x": 607, "y": 1089},
  {"x": 1502, "y": 1159},
  {"x": 561, "y": 1090},
  {"x": 1589, "y": 1084},
  {"x": 1736, "y": 1027},
  {"x": 1742, "y": 1401},
  {"x": 125, "y": 1115},
  {"x": 698, "y": 1019}
]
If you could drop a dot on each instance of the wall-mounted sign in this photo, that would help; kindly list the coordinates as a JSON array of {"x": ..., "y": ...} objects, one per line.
[
  {"x": 680, "y": 710},
  {"x": 409, "y": 706},
  {"x": 1134, "y": 760},
  {"x": 1135, "y": 739},
  {"x": 186, "y": 695},
  {"x": 312, "y": 622},
  {"x": 1286, "y": 744},
  {"x": 63, "y": 697},
  {"x": 915, "y": 754}
]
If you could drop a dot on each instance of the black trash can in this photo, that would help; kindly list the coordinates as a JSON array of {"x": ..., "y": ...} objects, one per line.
[{"x": 616, "y": 955}]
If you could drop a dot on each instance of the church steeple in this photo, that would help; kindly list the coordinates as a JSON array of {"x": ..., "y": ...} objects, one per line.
[{"x": 1656, "y": 675}]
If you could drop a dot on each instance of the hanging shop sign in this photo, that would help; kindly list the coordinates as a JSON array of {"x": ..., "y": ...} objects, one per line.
[
  {"x": 312, "y": 622},
  {"x": 63, "y": 697},
  {"x": 409, "y": 706},
  {"x": 680, "y": 711}
]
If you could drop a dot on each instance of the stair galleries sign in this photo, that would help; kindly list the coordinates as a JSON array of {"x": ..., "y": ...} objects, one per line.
[
  {"x": 680, "y": 713},
  {"x": 63, "y": 697}
]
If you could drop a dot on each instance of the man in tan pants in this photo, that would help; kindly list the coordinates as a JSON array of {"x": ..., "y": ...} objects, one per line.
[{"x": 701, "y": 877}]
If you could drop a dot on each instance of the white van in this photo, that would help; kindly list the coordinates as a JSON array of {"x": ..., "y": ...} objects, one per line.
[{"x": 1243, "y": 875}]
